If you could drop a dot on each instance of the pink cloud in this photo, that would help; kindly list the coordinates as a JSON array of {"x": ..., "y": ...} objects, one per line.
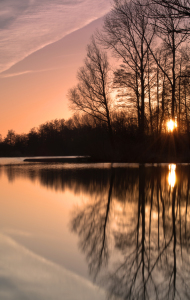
[{"x": 30, "y": 25}]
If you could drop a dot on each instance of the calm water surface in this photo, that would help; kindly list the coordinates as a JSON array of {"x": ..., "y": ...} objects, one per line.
[{"x": 92, "y": 231}]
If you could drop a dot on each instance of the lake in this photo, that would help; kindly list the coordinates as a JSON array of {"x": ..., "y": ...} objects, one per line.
[{"x": 92, "y": 231}]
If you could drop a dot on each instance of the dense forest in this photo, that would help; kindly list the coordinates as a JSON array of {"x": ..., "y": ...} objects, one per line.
[
  {"x": 79, "y": 135},
  {"x": 123, "y": 111},
  {"x": 82, "y": 135}
]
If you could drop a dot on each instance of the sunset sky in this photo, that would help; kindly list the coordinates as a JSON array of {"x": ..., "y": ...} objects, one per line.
[{"x": 42, "y": 44}]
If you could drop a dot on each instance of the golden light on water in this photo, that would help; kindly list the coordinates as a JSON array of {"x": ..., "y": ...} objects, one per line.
[
  {"x": 171, "y": 125},
  {"x": 172, "y": 175}
]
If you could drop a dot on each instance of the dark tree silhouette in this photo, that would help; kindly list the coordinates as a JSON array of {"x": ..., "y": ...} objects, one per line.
[
  {"x": 128, "y": 34},
  {"x": 168, "y": 30},
  {"x": 91, "y": 224},
  {"x": 92, "y": 94},
  {"x": 181, "y": 8}
]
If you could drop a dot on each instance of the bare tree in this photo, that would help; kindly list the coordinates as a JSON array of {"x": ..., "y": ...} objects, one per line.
[
  {"x": 92, "y": 94},
  {"x": 127, "y": 87},
  {"x": 168, "y": 29},
  {"x": 128, "y": 34},
  {"x": 183, "y": 90},
  {"x": 181, "y": 8}
]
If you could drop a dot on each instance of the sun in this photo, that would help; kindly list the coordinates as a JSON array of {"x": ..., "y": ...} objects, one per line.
[{"x": 171, "y": 125}]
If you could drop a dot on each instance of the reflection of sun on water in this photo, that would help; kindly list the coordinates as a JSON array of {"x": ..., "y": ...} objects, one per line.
[
  {"x": 171, "y": 125},
  {"x": 172, "y": 175}
]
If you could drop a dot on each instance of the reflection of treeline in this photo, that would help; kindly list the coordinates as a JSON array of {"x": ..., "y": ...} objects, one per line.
[
  {"x": 91, "y": 181},
  {"x": 82, "y": 135},
  {"x": 150, "y": 230},
  {"x": 96, "y": 180},
  {"x": 134, "y": 213}
]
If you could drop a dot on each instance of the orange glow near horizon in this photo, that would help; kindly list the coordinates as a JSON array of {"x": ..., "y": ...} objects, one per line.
[
  {"x": 171, "y": 125},
  {"x": 172, "y": 175}
]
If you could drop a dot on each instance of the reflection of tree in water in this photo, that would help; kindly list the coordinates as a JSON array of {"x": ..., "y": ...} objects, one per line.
[
  {"x": 79, "y": 180},
  {"x": 136, "y": 210},
  {"x": 151, "y": 234},
  {"x": 91, "y": 224}
]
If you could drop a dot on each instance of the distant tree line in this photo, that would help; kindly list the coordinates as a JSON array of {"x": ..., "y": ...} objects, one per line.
[
  {"x": 79, "y": 135},
  {"x": 84, "y": 135}
]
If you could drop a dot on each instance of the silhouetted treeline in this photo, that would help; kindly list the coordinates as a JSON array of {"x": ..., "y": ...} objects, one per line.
[
  {"x": 83, "y": 135},
  {"x": 76, "y": 136}
]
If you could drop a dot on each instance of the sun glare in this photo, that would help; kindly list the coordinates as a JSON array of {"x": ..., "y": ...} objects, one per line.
[
  {"x": 172, "y": 175},
  {"x": 171, "y": 125}
]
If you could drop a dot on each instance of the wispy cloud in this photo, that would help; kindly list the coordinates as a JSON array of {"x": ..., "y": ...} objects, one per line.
[
  {"x": 26, "y": 26},
  {"x": 15, "y": 74},
  {"x": 8, "y": 75}
]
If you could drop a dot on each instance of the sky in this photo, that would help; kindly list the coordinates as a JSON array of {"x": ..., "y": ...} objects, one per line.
[{"x": 42, "y": 44}]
